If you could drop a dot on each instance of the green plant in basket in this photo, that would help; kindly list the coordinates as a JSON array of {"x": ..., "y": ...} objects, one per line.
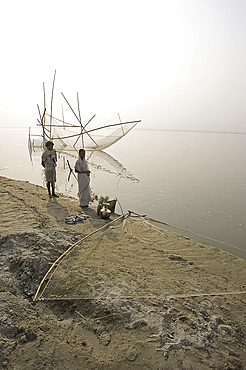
[{"x": 102, "y": 199}]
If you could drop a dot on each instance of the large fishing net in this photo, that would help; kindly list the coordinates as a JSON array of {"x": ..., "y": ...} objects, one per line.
[
  {"x": 113, "y": 261},
  {"x": 133, "y": 272},
  {"x": 70, "y": 137}
]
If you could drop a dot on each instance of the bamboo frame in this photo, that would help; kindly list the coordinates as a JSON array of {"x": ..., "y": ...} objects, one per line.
[
  {"x": 78, "y": 119},
  {"x": 63, "y": 117},
  {"x": 44, "y": 97},
  {"x": 70, "y": 248},
  {"x": 166, "y": 296},
  {"x": 121, "y": 124},
  {"x": 69, "y": 125},
  {"x": 90, "y": 121},
  {"x": 47, "y": 128},
  {"x": 39, "y": 113},
  {"x": 51, "y": 107},
  {"x": 81, "y": 127}
]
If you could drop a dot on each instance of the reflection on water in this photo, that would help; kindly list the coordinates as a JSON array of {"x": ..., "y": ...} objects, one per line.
[{"x": 98, "y": 161}]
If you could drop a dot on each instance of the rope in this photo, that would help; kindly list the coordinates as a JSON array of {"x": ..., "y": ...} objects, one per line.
[
  {"x": 167, "y": 296},
  {"x": 188, "y": 231}
]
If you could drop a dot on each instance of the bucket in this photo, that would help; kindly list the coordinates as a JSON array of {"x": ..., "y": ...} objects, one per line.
[{"x": 112, "y": 204}]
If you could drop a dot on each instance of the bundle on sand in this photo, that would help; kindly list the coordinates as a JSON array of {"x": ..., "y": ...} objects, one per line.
[{"x": 127, "y": 295}]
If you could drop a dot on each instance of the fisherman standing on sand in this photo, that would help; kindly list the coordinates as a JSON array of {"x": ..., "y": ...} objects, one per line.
[
  {"x": 81, "y": 167},
  {"x": 49, "y": 159}
]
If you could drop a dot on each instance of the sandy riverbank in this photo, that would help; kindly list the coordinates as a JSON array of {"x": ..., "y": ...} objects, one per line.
[{"x": 188, "y": 309}]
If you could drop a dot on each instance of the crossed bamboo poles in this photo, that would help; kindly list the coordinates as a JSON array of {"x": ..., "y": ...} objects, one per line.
[
  {"x": 47, "y": 128},
  {"x": 47, "y": 131}
]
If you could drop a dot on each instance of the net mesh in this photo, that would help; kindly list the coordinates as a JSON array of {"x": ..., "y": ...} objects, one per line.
[
  {"x": 113, "y": 262},
  {"x": 130, "y": 259},
  {"x": 66, "y": 137}
]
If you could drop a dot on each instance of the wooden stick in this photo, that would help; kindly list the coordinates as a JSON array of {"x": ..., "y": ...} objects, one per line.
[
  {"x": 41, "y": 122},
  {"x": 98, "y": 128},
  {"x": 91, "y": 130},
  {"x": 39, "y": 113},
  {"x": 43, "y": 115},
  {"x": 80, "y": 315},
  {"x": 52, "y": 100},
  {"x": 70, "y": 107},
  {"x": 71, "y": 171},
  {"x": 112, "y": 125},
  {"x": 43, "y": 127},
  {"x": 82, "y": 138},
  {"x": 66, "y": 124},
  {"x": 44, "y": 97},
  {"x": 95, "y": 129},
  {"x": 70, "y": 248},
  {"x": 121, "y": 124},
  {"x": 63, "y": 117},
  {"x": 90, "y": 120},
  {"x": 77, "y": 141},
  {"x": 78, "y": 119}
]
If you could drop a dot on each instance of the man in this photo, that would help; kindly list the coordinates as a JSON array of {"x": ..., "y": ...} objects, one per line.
[
  {"x": 49, "y": 159},
  {"x": 81, "y": 168}
]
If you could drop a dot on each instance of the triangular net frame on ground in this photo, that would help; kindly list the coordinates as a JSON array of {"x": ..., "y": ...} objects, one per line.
[
  {"x": 113, "y": 262},
  {"x": 131, "y": 258}
]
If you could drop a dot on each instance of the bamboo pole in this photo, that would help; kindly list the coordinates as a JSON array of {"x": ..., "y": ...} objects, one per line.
[
  {"x": 52, "y": 100},
  {"x": 78, "y": 119},
  {"x": 112, "y": 125},
  {"x": 82, "y": 138},
  {"x": 90, "y": 120},
  {"x": 44, "y": 97},
  {"x": 43, "y": 127},
  {"x": 93, "y": 129},
  {"x": 121, "y": 124},
  {"x": 63, "y": 117},
  {"x": 70, "y": 248},
  {"x": 71, "y": 171},
  {"x": 98, "y": 128},
  {"x": 39, "y": 113},
  {"x": 43, "y": 115},
  {"x": 70, "y": 107},
  {"x": 41, "y": 123},
  {"x": 77, "y": 141}
]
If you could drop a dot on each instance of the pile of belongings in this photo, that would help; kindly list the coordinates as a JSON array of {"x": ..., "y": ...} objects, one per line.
[{"x": 75, "y": 218}]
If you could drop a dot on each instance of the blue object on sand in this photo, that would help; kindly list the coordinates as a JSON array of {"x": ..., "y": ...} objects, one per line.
[{"x": 75, "y": 218}]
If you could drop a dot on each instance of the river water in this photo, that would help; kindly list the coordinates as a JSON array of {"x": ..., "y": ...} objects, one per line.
[{"x": 193, "y": 181}]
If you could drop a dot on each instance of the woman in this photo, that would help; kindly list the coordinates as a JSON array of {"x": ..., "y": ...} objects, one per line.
[{"x": 81, "y": 167}]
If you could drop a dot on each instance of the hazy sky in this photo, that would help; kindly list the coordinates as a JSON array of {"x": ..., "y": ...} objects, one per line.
[{"x": 170, "y": 63}]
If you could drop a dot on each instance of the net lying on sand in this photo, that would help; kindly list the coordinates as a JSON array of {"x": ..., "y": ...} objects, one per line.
[
  {"x": 114, "y": 261},
  {"x": 129, "y": 257}
]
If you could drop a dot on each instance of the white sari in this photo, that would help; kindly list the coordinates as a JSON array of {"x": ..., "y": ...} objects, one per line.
[{"x": 84, "y": 183}]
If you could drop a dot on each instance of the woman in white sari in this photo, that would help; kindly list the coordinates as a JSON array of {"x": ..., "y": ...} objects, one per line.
[{"x": 81, "y": 167}]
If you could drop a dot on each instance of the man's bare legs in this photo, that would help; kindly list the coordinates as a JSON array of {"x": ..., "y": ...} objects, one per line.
[{"x": 53, "y": 190}]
